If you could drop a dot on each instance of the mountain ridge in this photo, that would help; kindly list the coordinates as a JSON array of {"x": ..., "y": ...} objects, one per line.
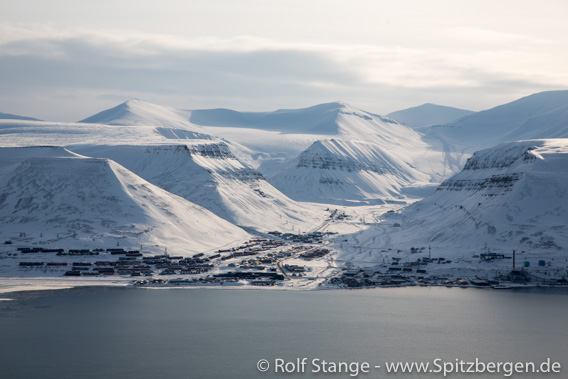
[
  {"x": 428, "y": 114},
  {"x": 82, "y": 200},
  {"x": 513, "y": 195},
  {"x": 9, "y": 116},
  {"x": 509, "y": 122}
]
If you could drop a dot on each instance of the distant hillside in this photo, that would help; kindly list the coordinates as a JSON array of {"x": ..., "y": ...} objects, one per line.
[
  {"x": 428, "y": 114},
  {"x": 8, "y": 116},
  {"x": 348, "y": 172},
  {"x": 541, "y": 115},
  {"x": 319, "y": 119},
  {"x": 138, "y": 112}
]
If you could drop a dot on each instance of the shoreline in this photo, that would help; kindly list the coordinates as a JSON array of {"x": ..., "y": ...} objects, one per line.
[{"x": 52, "y": 284}]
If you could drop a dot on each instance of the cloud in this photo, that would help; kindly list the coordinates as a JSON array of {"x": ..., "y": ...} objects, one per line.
[
  {"x": 469, "y": 36},
  {"x": 253, "y": 71}
]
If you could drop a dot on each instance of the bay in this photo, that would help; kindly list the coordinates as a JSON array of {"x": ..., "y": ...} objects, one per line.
[{"x": 204, "y": 333}]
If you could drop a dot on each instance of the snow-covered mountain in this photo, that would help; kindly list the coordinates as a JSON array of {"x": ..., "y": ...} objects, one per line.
[
  {"x": 365, "y": 159},
  {"x": 58, "y": 197},
  {"x": 514, "y": 195},
  {"x": 541, "y": 115},
  {"x": 202, "y": 170},
  {"x": 428, "y": 114},
  {"x": 273, "y": 141},
  {"x": 319, "y": 119},
  {"x": 170, "y": 122},
  {"x": 208, "y": 174},
  {"x": 138, "y": 112},
  {"x": 9, "y": 116},
  {"x": 348, "y": 172},
  {"x": 100, "y": 180},
  {"x": 31, "y": 133},
  {"x": 282, "y": 135},
  {"x": 375, "y": 159}
]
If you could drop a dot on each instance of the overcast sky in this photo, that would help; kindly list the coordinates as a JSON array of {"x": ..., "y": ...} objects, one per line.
[{"x": 67, "y": 59}]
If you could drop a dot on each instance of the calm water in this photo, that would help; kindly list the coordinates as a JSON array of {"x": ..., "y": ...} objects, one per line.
[{"x": 150, "y": 333}]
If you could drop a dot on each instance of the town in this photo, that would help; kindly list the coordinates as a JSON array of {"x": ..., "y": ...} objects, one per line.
[
  {"x": 259, "y": 262},
  {"x": 285, "y": 260}
]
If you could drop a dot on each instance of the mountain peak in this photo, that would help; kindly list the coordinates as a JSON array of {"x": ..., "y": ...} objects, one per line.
[
  {"x": 319, "y": 107},
  {"x": 138, "y": 112},
  {"x": 135, "y": 102}
]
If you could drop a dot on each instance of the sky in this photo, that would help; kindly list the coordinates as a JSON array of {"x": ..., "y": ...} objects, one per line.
[{"x": 64, "y": 60}]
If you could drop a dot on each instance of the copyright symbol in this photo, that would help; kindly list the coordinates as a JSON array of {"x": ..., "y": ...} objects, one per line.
[{"x": 263, "y": 365}]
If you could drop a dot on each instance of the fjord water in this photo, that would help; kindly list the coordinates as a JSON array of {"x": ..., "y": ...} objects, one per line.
[{"x": 198, "y": 333}]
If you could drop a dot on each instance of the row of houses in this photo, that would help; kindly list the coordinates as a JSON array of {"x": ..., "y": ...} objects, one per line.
[
  {"x": 316, "y": 253},
  {"x": 369, "y": 278}
]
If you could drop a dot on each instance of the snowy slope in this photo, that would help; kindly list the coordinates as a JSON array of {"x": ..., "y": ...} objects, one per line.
[
  {"x": 375, "y": 159},
  {"x": 8, "y": 116},
  {"x": 514, "y": 195},
  {"x": 255, "y": 137},
  {"x": 138, "y": 112},
  {"x": 553, "y": 124},
  {"x": 208, "y": 174},
  {"x": 330, "y": 119},
  {"x": 428, "y": 114},
  {"x": 319, "y": 119},
  {"x": 74, "y": 201},
  {"x": 169, "y": 122},
  {"x": 203, "y": 171},
  {"x": 11, "y": 158},
  {"x": 30, "y": 133},
  {"x": 541, "y": 115},
  {"x": 285, "y": 140},
  {"x": 348, "y": 172},
  {"x": 272, "y": 140}
]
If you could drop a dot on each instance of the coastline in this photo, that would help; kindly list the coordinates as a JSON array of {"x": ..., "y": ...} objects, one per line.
[{"x": 16, "y": 284}]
